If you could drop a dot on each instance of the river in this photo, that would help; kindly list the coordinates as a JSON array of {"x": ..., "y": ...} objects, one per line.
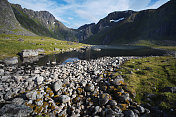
[{"x": 94, "y": 53}]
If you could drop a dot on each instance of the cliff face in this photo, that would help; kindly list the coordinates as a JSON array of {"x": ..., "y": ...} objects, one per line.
[
  {"x": 129, "y": 26},
  {"x": 42, "y": 23},
  {"x": 8, "y": 21},
  {"x": 84, "y": 32}
]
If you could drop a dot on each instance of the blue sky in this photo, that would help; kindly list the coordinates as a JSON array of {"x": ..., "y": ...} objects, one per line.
[{"x": 74, "y": 13}]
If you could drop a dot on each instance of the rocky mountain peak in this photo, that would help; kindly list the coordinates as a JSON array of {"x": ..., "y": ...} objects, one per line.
[
  {"x": 45, "y": 17},
  {"x": 42, "y": 23},
  {"x": 8, "y": 21}
]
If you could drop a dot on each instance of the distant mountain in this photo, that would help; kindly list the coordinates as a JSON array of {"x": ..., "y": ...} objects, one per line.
[
  {"x": 8, "y": 22},
  {"x": 42, "y": 23},
  {"x": 16, "y": 20},
  {"x": 86, "y": 31},
  {"x": 130, "y": 26}
]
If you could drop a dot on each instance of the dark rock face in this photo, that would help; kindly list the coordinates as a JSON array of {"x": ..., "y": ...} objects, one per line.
[
  {"x": 8, "y": 22},
  {"x": 85, "y": 31}
]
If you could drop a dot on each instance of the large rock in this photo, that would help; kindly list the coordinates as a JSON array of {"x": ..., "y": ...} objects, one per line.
[
  {"x": 12, "y": 110},
  {"x": 57, "y": 85},
  {"x": 10, "y": 61},
  {"x": 1, "y": 72},
  {"x": 40, "y": 50},
  {"x": 141, "y": 109},
  {"x": 124, "y": 96},
  {"x": 32, "y": 95},
  {"x": 18, "y": 101},
  {"x": 89, "y": 87},
  {"x": 39, "y": 79},
  {"x": 118, "y": 81},
  {"x": 112, "y": 102},
  {"x": 64, "y": 98},
  {"x": 8, "y": 95},
  {"x": 104, "y": 98},
  {"x": 129, "y": 113},
  {"x": 1, "y": 98},
  {"x": 29, "y": 53}
]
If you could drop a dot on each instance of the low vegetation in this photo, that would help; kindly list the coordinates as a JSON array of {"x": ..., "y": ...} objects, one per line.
[
  {"x": 153, "y": 45},
  {"x": 13, "y": 44},
  {"x": 147, "y": 77}
]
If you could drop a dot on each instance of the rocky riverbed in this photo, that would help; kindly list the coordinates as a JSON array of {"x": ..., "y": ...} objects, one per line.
[{"x": 81, "y": 88}]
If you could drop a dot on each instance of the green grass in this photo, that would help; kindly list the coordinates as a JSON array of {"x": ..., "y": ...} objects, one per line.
[
  {"x": 10, "y": 46},
  {"x": 149, "y": 75},
  {"x": 150, "y": 44}
]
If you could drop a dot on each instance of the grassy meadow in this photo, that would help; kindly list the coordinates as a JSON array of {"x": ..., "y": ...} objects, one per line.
[
  {"x": 148, "y": 76},
  {"x": 149, "y": 44},
  {"x": 10, "y": 45}
]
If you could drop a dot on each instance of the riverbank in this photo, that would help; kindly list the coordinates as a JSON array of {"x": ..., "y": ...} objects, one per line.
[
  {"x": 73, "y": 89},
  {"x": 169, "y": 46},
  {"x": 11, "y": 45}
]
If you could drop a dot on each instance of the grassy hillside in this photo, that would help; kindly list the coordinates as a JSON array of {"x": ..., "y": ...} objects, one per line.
[{"x": 13, "y": 44}]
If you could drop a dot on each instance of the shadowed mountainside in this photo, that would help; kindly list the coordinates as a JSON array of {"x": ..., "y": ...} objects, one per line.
[{"x": 129, "y": 26}]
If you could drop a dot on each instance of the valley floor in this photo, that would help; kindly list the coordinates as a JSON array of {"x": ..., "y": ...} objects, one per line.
[{"x": 11, "y": 45}]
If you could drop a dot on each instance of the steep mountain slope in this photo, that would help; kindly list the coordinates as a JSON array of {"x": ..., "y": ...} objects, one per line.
[
  {"x": 8, "y": 22},
  {"x": 84, "y": 32},
  {"x": 42, "y": 23},
  {"x": 155, "y": 24}
]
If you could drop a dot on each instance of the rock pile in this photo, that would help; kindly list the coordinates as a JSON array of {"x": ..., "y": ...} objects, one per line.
[{"x": 81, "y": 88}]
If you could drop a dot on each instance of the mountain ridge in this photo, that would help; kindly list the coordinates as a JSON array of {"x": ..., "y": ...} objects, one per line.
[
  {"x": 43, "y": 23},
  {"x": 119, "y": 27},
  {"x": 151, "y": 24},
  {"x": 8, "y": 21}
]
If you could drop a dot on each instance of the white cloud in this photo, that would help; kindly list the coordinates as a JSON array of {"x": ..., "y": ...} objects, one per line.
[
  {"x": 80, "y": 12},
  {"x": 94, "y": 10},
  {"x": 157, "y": 4}
]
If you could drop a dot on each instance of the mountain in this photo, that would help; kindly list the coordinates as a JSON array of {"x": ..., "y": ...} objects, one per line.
[
  {"x": 130, "y": 26},
  {"x": 42, "y": 23},
  {"x": 21, "y": 21},
  {"x": 8, "y": 22},
  {"x": 85, "y": 31},
  {"x": 117, "y": 28}
]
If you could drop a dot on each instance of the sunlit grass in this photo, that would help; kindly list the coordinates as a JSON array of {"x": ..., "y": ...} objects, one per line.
[
  {"x": 149, "y": 44},
  {"x": 148, "y": 76},
  {"x": 10, "y": 44}
]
